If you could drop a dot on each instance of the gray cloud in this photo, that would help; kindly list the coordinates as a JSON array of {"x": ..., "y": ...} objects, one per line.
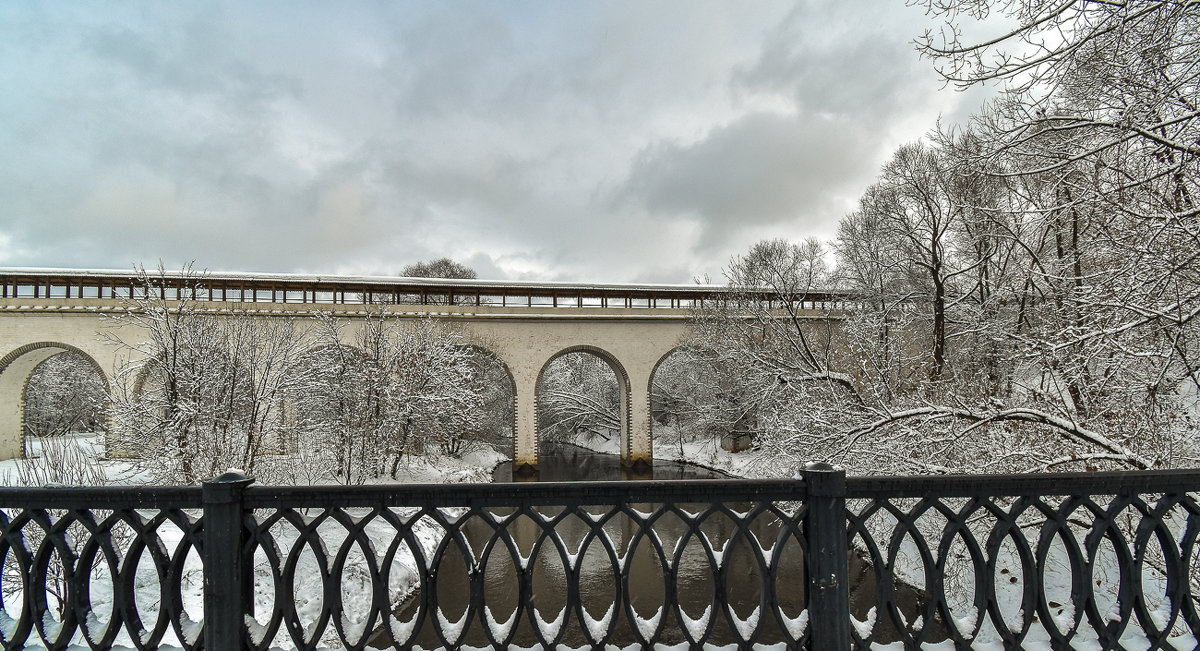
[
  {"x": 763, "y": 169},
  {"x": 605, "y": 142},
  {"x": 843, "y": 59}
]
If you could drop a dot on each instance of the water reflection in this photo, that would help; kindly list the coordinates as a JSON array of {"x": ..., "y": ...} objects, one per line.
[{"x": 562, "y": 462}]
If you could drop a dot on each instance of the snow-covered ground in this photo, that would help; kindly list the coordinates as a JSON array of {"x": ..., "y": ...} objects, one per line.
[
  {"x": 58, "y": 462},
  {"x": 702, "y": 451},
  {"x": 78, "y": 460}
]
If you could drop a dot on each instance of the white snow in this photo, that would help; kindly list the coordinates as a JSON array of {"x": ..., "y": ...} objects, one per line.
[
  {"x": 257, "y": 631},
  {"x": 966, "y": 624},
  {"x": 641, "y": 515},
  {"x": 191, "y": 630},
  {"x": 50, "y": 624},
  {"x": 1065, "y": 617},
  {"x": 719, "y": 555},
  {"x": 402, "y": 629},
  {"x": 597, "y": 627},
  {"x": 1017, "y": 622},
  {"x": 648, "y": 625},
  {"x": 8, "y": 624},
  {"x": 593, "y": 517},
  {"x": 864, "y": 628},
  {"x": 452, "y": 630},
  {"x": 549, "y": 628},
  {"x": 95, "y": 625},
  {"x": 498, "y": 628},
  {"x": 746, "y": 626},
  {"x": 796, "y": 625},
  {"x": 696, "y": 627}
]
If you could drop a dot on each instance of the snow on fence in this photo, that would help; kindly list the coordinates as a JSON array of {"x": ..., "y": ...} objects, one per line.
[{"x": 1085, "y": 560}]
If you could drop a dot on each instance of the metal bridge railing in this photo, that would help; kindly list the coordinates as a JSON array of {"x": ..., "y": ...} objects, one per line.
[{"x": 826, "y": 562}]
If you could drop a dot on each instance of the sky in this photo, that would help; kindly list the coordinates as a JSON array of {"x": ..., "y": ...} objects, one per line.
[{"x": 558, "y": 141}]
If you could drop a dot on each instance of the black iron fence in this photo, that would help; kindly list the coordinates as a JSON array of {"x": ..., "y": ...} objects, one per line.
[{"x": 1104, "y": 560}]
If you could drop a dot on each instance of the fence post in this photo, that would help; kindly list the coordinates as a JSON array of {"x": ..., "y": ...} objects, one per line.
[
  {"x": 225, "y": 578},
  {"x": 827, "y": 558}
]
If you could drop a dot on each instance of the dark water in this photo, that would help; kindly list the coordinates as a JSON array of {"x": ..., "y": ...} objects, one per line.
[
  {"x": 562, "y": 462},
  {"x": 697, "y": 580}
]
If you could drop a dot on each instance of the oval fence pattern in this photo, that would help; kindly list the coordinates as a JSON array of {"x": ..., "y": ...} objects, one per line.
[{"x": 1094, "y": 559}]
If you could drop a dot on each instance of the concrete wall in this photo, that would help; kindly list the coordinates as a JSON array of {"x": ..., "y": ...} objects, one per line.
[{"x": 526, "y": 339}]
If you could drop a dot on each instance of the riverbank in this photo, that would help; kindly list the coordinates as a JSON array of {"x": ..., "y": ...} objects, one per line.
[{"x": 78, "y": 459}]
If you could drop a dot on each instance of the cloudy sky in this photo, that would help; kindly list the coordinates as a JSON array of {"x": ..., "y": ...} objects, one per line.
[{"x": 582, "y": 141}]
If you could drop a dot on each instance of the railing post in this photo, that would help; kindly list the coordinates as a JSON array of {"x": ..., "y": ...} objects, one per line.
[
  {"x": 225, "y": 578},
  {"x": 827, "y": 558}
]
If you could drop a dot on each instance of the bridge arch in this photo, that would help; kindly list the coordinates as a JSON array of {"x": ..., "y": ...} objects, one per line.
[
  {"x": 624, "y": 392},
  {"x": 16, "y": 367},
  {"x": 680, "y": 351},
  {"x": 510, "y": 407}
]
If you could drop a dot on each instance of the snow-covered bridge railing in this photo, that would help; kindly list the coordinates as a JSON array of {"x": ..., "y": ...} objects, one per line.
[{"x": 1095, "y": 559}]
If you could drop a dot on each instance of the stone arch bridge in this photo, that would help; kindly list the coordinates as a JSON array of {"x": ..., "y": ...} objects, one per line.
[{"x": 525, "y": 325}]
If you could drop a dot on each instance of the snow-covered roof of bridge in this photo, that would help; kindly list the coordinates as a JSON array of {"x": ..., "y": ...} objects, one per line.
[{"x": 257, "y": 277}]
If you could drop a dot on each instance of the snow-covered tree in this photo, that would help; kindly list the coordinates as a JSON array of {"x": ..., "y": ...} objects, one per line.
[
  {"x": 1109, "y": 73},
  {"x": 840, "y": 386},
  {"x": 781, "y": 368},
  {"x": 490, "y": 380},
  {"x": 65, "y": 393},
  {"x": 693, "y": 398},
  {"x": 395, "y": 388},
  {"x": 578, "y": 399},
  {"x": 1040, "y": 263},
  {"x": 202, "y": 392}
]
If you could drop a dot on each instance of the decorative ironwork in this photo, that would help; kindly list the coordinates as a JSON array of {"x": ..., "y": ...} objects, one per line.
[
  {"x": 1064, "y": 560},
  {"x": 100, "y": 567},
  {"x": 575, "y": 564},
  {"x": 1094, "y": 559}
]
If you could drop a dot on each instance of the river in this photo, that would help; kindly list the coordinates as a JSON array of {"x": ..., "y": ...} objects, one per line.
[
  {"x": 696, "y": 578},
  {"x": 563, "y": 462}
]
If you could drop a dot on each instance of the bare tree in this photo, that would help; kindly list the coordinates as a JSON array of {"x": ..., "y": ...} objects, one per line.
[
  {"x": 201, "y": 392},
  {"x": 1052, "y": 245},
  {"x": 916, "y": 204},
  {"x": 392, "y": 390},
  {"x": 578, "y": 399},
  {"x": 1118, "y": 72},
  {"x": 439, "y": 268},
  {"x": 65, "y": 393}
]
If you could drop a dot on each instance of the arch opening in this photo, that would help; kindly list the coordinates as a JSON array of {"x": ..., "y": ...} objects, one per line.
[
  {"x": 696, "y": 407},
  {"x": 195, "y": 415},
  {"x": 583, "y": 398},
  {"x": 332, "y": 415},
  {"x": 492, "y": 380},
  {"x": 366, "y": 412},
  {"x": 48, "y": 389}
]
